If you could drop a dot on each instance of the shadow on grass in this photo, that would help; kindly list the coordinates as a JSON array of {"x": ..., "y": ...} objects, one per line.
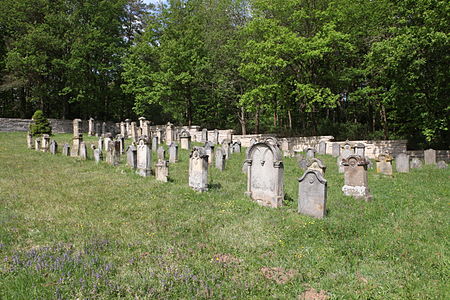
[{"x": 214, "y": 186}]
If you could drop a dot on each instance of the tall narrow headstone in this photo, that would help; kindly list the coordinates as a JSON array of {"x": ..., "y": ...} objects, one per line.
[
  {"x": 104, "y": 131},
  {"x": 106, "y": 143},
  {"x": 170, "y": 133},
  {"x": 121, "y": 141},
  {"x": 335, "y": 150},
  {"x": 312, "y": 197},
  {"x": 322, "y": 147},
  {"x": 198, "y": 170},
  {"x": 215, "y": 137},
  {"x": 83, "y": 151},
  {"x": 220, "y": 159},
  {"x": 141, "y": 122},
  {"x": 161, "y": 152},
  {"x": 66, "y": 150},
  {"x": 384, "y": 164},
  {"x": 113, "y": 153},
  {"x": 123, "y": 130},
  {"x": 159, "y": 134},
  {"x": 144, "y": 158},
  {"x": 355, "y": 177},
  {"x": 162, "y": 170},
  {"x": 430, "y": 157},
  {"x": 265, "y": 174},
  {"x": 76, "y": 127},
  {"x": 30, "y": 143},
  {"x": 45, "y": 143},
  {"x": 76, "y": 142},
  {"x": 204, "y": 137},
  {"x": 53, "y": 147},
  {"x": 209, "y": 149},
  {"x": 98, "y": 155},
  {"x": 132, "y": 156},
  {"x": 134, "y": 133},
  {"x": 128, "y": 127},
  {"x": 402, "y": 163},
  {"x": 173, "y": 153},
  {"x": 37, "y": 144},
  {"x": 185, "y": 140},
  {"x": 98, "y": 129},
  {"x": 146, "y": 129},
  {"x": 91, "y": 129},
  {"x": 100, "y": 143},
  {"x": 226, "y": 147}
]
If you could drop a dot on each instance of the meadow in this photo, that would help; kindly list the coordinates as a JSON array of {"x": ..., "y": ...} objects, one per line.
[{"x": 76, "y": 229}]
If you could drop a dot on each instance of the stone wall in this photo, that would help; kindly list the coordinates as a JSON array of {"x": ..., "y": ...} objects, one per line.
[
  {"x": 374, "y": 148},
  {"x": 440, "y": 154},
  {"x": 58, "y": 126}
]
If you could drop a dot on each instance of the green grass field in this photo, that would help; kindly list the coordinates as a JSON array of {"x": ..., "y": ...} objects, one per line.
[{"x": 74, "y": 229}]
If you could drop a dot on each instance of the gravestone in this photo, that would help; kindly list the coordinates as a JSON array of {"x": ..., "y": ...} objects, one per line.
[
  {"x": 141, "y": 122},
  {"x": 100, "y": 144},
  {"x": 121, "y": 141},
  {"x": 37, "y": 144},
  {"x": 346, "y": 150},
  {"x": 204, "y": 137},
  {"x": 98, "y": 155},
  {"x": 226, "y": 148},
  {"x": 76, "y": 123},
  {"x": 128, "y": 127},
  {"x": 312, "y": 196},
  {"x": 146, "y": 130},
  {"x": 144, "y": 158},
  {"x": 91, "y": 130},
  {"x": 53, "y": 147},
  {"x": 159, "y": 134},
  {"x": 355, "y": 177},
  {"x": 132, "y": 156},
  {"x": 416, "y": 163},
  {"x": 30, "y": 144},
  {"x": 104, "y": 128},
  {"x": 106, "y": 143},
  {"x": 76, "y": 142},
  {"x": 316, "y": 164},
  {"x": 215, "y": 137},
  {"x": 402, "y": 163},
  {"x": 83, "y": 151},
  {"x": 162, "y": 170},
  {"x": 442, "y": 165},
  {"x": 220, "y": 159},
  {"x": 155, "y": 143},
  {"x": 161, "y": 153},
  {"x": 360, "y": 149},
  {"x": 237, "y": 147},
  {"x": 265, "y": 174},
  {"x": 310, "y": 153},
  {"x": 134, "y": 132},
  {"x": 113, "y": 153},
  {"x": 98, "y": 129},
  {"x": 198, "y": 169},
  {"x": 185, "y": 140},
  {"x": 173, "y": 153},
  {"x": 123, "y": 130},
  {"x": 335, "y": 150},
  {"x": 170, "y": 133},
  {"x": 66, "y": 150},
  {"x": 384, "y": 164},
  {"x": 303, "y": 163},
  {"x": 253, "y": 141},
  {"x": 322, "y": 147},
  {"x": 430, "y": 157},
  {"x": 45, "y": 143},
  {"x": 209, "y": 149}
]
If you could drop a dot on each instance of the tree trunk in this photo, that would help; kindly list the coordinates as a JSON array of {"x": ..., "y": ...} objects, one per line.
[
  {"x": 243, "y": 121},
  {"x": 290, "y": 119},
  {"x": 257, "y": 121},
  {"x": 384, "y": 121}
]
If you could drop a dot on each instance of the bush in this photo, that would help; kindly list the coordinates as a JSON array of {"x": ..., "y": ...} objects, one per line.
[{"x": 41, "y": 125}]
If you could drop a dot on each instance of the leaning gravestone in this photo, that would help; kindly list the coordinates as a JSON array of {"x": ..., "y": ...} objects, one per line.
[
  {"x": 322, "y": 147},
  {"x": 355, "y": 177},
  {"x": 37, "y": 144},
  {"x": 310, "y": 152},
  {"x": 173, "y": 153},
  {"x": 132, "y": 156},
  {"x": 265, "y": 174},
  {"x": 198, "y": 170},
  {"x": 416, "y": 163},
  {"x": 312, "y": 195},
  {"x": 335, "y": 150},
  {"x": 384, "y": 164},
  {"x": 430, "y": 157},
  {"x": 30, "y": 141},
  {"x": 53, "y": 147},
  {"x": 316, "y": 164},
  {"x": 144, "y": 158},
  {"x": 220, "y": 159},
  {"x": 185, "y": 140},
  {"x": 402, "y": 163},
  {"x": 236, "y": 147},
  {"x": 442, "y": 164},
  {"x": 45, "y": 144},
  {"x": 83, "y": 151},
  {"x": 98, "y": 155},
  {"x": 66, "y": 150},
  {"x": 155, "y": 140},
  {"x": 161, "y": 153},
  {"x": 162, "y": 170}
]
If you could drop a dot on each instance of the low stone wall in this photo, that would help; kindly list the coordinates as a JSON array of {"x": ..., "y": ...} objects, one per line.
[
  {"x": 58, "y": 126},
  {"x": 440, "y": 154},
  {"x": 374, "y": 148}
]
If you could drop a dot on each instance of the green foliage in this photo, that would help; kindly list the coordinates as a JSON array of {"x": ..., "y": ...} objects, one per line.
[{"x": 40, "y": 124}]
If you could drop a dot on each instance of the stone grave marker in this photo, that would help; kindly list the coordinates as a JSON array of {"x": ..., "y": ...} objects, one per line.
[
  {"x": 113, "y": 153},
  {"x": 134, "y": 132},
  {"x": 98, "y": 155},
  {"x": 355, "y": 177},
  {"x": 53, "y": 147},
  {"x": 91, "y": 130},
  {"x": 30, "y": 144},
  {"x": 226, "y": 148},
  {"x": 66, "y": 150},
  {"x": 173, "y": 153},
  {"x": 37, "y": 144},
  {"x": 322, "y": 147},
  {"x": 215, "y": 137},
  {"x": 141, "y": 121},
  {"x": 384, "y": 164},
  {"x": 144, "y": 158},
  {"x": 162, "y": 170},
  {"x": 360, "y": 149},
  {"x": 204, "y": 137},
  {"x": 185, "y": 140},
  {"x": 121, "y": 141},
  {"x": 430, "y": 157},
  {"x": 265, "y": 174},
  {"x": 132, "y": 156},
  {"x": 220, "y": 159},
  {"x": 312, "y": 196},
  {"x": 316, "y": 165},
  {"x": 100, "y": 144},
  {"x": 76, "y": 142},
  {"x": 146, "y": 130},
  {"x": 170, "y": 133},
  {"x": 237, "y": 147},
  {"x": 198, "y": 169},
  {"x": 402, "y": 163},
  {"x": 442, "y": 164},
  {"x": 416, "y": 163},
  {"x": 45, "y": 143},
  {"x": 98, "y": 129},
  {"x": 83, "y": 151},
  {"x": 310, "y": 153},
  {"x": 104, "y": 128},
  {"x": 335, "y": 150},
  {"x": 155, "y": 143},
  {"x": 128, "y": 127},
  {"x": 209, "y": 149},
  {"x": 161, "y": 153},
  {"x": 106, "y": 142}
]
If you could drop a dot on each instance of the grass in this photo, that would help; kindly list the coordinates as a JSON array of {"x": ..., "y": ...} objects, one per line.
[{"x": 74, "y": 229}]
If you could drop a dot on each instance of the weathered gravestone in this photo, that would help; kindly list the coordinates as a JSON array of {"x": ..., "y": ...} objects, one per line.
[
  {"x": 198, "y": 169},
  {"x": 215, "y": 137},
  {"x": 100, "y": 143},
  {"x": 132, "y": 156},
  {"x": 346, "y": 151},
  {"x": 91, "y": 129},
  {"x": 322, "y": 147},
  {"x": 220, "y": 159},
  {"x": 430, "y": 157},
  {"x": 155, "y": 143},
  {"x": 209, "y": 149},
  {"x": 173, "y": 153},
  {"x": 98, "y": 129},
  {"x": 141, "y": 121},
  {"x": 170, "y": 133},
  {"x": 144, "y": 158},
  {"x": 335, "y": 150},
  {"x": 416, "y": 163},
  {"x": 123, "y": 130},
  {"x": 53, "y": 147},
  {"x": 360, "y": 149},
  {"x": 265, "y": 174},
  {"x": 384, "y": 164},
  {"x": 128, "y": 127},
  {"x": 442, "y": 165},
  {"x": 66, "y": 150},
  {"x": 45, "y": 143},
  {"x": 226, "y": 148},
  {"x": 236, "y": 147},
  {"x": 146, "y": 130},
  {"x": 162, "y": 170},
  {"x": 355, "y": 177},
  {"x": 204, "y": 137},
  {"x": 37, "y": 144},
  {"x": 310, "y": 153},
  {"x": 134, "y": 132},
  {"x": 76, "y": 142},
  {"x": 104, "y": 128},
  {"x": 83, "y": 151},
  {"x": 316, "y": 164},
  {"x": 185, "y": 140},
  {"x": 98, "y": 155},
  {"x": 121, "y": 141},
  {"x": 159, "y": 134},
  {"x": 113, "y": 153},
  {"x": 312, "y": 196},
  {"x": 402, "y": 163},
  {"x": 30, "y": 141},
  {"x": 161, "y": 153},
  {"x": 106, "y": 142}
]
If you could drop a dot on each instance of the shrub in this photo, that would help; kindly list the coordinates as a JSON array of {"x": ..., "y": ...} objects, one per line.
[{"x": 41, "y": 124}]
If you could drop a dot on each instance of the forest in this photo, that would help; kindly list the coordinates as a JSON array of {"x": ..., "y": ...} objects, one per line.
[{"x": 355, "y": 69}]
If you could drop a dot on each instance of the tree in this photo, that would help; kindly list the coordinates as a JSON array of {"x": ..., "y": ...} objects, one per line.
[{"x": 41, "y": 125}]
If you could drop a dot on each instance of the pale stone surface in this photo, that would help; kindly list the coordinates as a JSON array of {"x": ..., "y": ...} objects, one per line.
[
  {"x": 384, "y": 164},
  {"x": 303, "y": 163},
  {"x": 173, "y": 153},
  {"x": 335, "y": 150},
  {"x": 253, "y": 141},
  {"x": 310, "y": 152},
  {"x": 312, "y": 196},
  {"x": 37, "y": 144},
  {"x": 322, "y": 147},
  {"x": 430, "y": 157},
  {"x": 132, "y": 156},
  {"x": 360, "y": 149},
  {"x": 128, "y": 127},
  {"x": 209, "y": 149},
  {"x": 53, "y": 147},
  {"x": 121, "y": 141},
  {"x": 161, "y": 153},
  {"x": 226, "y": 148},
  {"x": 141, "y": 121},
  {"x": 91, "y": 130},
  {"x": 204, "y": 137},
  {"x": 316, "y": 164},
  {"x": 159, "y": 134},
  {"x": 30, "y": 143},
  {"x": 76, "y": 127},
  {"x": 402, "y": 163},
  {"x": 416, "y": 163},
  {"x": 442, "y": 164},
  {"x": 162, "y": 170},
  {"x": 220, "y": 159},
  {"x": 66, "y": 150},
  {"x": 76, "y": 142},
  {"x": 236, "y": 147},
  {"x": 198, "y": 169},
  {"x": 215, "y": 137},
  {"x": 83, "y": 151},
  {"x": 146, "y": 130},
  {"x": 123, "y": 130},
  {"x": 113, "y": 154},
  {"x": 134, "y": 132},
  {"x": 106, "y": 142},
  {"x": 170, "y": 134},
  {"x": 104, "y": 128},
  {"x": 265, "y": 174},
  {"x": 285, "y": 146},
  {"x": 98, "y": 155},
  {"x": 347, "y": 150},
  {"x": 155, "y": 143},
  {"x": 355, "y": 177},
  {"x": 185, "y": 140},
  {"x": 45, "y": 143},
  {"x": 144, "y": 158},
  {"x": 98, "y": 129},
  {"x": 100, "y": 144}
]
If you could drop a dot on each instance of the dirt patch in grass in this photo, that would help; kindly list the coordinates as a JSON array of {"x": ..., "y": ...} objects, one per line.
[
  {"x": 312, "y": 294},
  {"x": 226, "y": 259},
  {"x": 279, "y": 275}
]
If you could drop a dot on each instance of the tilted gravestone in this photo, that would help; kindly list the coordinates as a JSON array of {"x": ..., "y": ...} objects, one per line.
[
  {"x": 316, "y": 164},
  {"x": 98, "y": 155},
  {"x": 37, "y": 144},
  {"x": 66, "y": 150},
  {"x": 45, "y": 143},
  {"x": 265, "y": 174},
  {"x": 173, "y": 153},
  {"x": 185, "y": 140},
  {"x": 355, "y": 177},
  {"x": 83, "y": 151},
  {"x": 162, "y": 170},
  {"x": 312, "y": 196},
  {"x": 322, "y": 147},
  {"x": 30, "y": 144},
  {"x": 442, "y": 164},
  {"x": 198, "y": 169},
  {"x": 310, "y": 153},
  {"x": 161, "y": 153},
  {"x": 132, "y": 156},
  {"x": 236, "y": 147},
  {"x": 219, "y": 159},
  {"x": 335, "y": 150},
  {"x": 430, "y": 157},
  {"x": 144, "y": 158},
  {"x": 416, "y": 163},
  {"x": 155, "y": 143},
  {"x": 384, "y": 164},
  {"x": 402, "y": 163},
  {"x": 53, "y": 147}
]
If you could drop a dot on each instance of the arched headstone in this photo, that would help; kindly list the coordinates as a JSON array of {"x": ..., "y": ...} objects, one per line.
[
  {"x": 198, "y": 170},
  {"x": 144, "y": 158},
  {"x": 312, "y": 196},
  {"x": 355, "y": 177}
]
